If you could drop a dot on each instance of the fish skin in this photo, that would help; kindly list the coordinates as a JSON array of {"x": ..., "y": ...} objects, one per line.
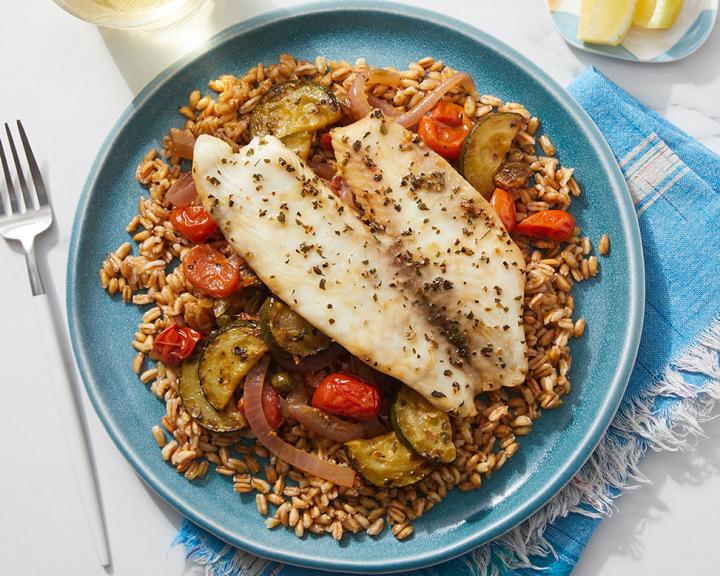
[
  {"x": 466, "y": 263},
  {"x": 245, "y": 193}
]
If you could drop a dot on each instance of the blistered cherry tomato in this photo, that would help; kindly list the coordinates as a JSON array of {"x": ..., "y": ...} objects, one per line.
[
  {"x": 504, "y": 206},
  {"x": 210, "y": 271},
  {"x": 444, "y": 129},
  {"x": 556, "y": 225},
  {"x": 193, "y": 222},
  {"x": 345, "y": 395},
  {"x": 175, "y": 344}
]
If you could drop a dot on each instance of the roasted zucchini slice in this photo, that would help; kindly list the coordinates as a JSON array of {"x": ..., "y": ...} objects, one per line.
[
  {"x": 300, "y": 143},
  {"x": 292, "y": 107},
  {"x": 423, "y": 427},
  {"x": 246, "y": 301},
  {"x": 288, "y": 333},
  {"x": 386, "y": 461},
  {"x": 485, "y": 149},
  {"x": 227, "y": 356},
  {"x": 199, "y": 408}
]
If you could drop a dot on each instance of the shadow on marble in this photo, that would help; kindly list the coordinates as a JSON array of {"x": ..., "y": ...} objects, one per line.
[
  {"x": 689, "y": 468},
  {"x": 653, "y": 83},
  {"x": 142, "y": 54}
]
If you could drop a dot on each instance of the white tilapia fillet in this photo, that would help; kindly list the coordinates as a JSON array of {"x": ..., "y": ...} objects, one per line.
[
  {"x": 325, "y": 263},
  {"x": 435, "y": 222}
]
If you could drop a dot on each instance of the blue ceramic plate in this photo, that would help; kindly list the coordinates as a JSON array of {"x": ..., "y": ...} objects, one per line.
[
  {"x": 384, "y": 34},
  {"x": 692, "y": 28}
]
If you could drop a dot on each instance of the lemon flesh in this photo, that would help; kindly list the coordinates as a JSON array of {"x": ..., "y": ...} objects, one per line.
[
  {"x": 657, "y": 14},
  {"x": 605, "y": 21}
]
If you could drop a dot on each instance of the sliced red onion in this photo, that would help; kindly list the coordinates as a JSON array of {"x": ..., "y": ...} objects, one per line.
[
  {"x": 359, "y": 105},
  {"x": 387, "y": 108},
  {"x": 183, "y": 144},
  {"x": 327, "y": 425},
  {"x": 182, "y": 192},
  {"x": 313, "y": 363},
  {"x": 252, "y": 404},
  {"x": 412, "y": 117}
]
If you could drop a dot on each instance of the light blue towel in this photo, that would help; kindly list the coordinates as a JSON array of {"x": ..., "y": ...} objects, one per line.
[{"x": 675, "y": 184}]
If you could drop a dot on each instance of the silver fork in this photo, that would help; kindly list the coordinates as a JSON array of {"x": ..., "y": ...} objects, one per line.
[{"x": 25, "y": 214}]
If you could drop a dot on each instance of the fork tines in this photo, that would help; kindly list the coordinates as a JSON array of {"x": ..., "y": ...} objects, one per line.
[{"x": 29, "y": 197}]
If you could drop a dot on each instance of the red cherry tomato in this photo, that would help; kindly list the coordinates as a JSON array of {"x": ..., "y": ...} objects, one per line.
[
  {"x": 193, "y": 222},
  {"x": 271, "y": 405},
  {"x": 556, "y": 225},
  {"x": 174, "y": 344},
  {"x": 210, "y": 271},
  {"x": 504, "y": 206},
  {"x": 344, "y": 395},
  {"x": 448, "y": 113},
  {"x": 444, "y": 129},
  {"x": 326, "y": 142}
]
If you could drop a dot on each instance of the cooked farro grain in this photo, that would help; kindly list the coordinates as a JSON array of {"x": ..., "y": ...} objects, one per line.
[
  {"x": 146, "y": 275},
  {"x": 159, "y": 436},
  {"x": 593, "y": 265},
  {"x": 261, "y": 504},
  {"x": 271, "y": 523},
  {"x": 148, "y": 375},
  {"x": 604, "y": 245},
  {"x": 547, "y": 146}
]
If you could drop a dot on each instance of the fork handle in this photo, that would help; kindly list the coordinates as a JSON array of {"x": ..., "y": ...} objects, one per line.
[
  {"x": 36, "y": 283},
  {"x": 68, "y": 402}
]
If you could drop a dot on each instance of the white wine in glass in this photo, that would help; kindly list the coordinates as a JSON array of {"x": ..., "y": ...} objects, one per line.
[{"x": 128, "y": 13}]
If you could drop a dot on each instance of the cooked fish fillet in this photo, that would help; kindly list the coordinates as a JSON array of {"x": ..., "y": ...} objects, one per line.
[
  {"x": 326, "y": 264},
  {"x": 439, "y": 226}
]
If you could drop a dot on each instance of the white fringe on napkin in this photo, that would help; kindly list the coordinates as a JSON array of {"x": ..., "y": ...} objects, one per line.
[{"x": 614, "y": 466}]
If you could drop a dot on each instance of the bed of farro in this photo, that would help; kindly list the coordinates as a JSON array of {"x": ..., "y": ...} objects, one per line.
[{"x": 143, "y": 275}]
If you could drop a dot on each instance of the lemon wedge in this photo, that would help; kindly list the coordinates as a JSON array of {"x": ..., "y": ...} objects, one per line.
[
  {"x": 657, "y": 14},
  {"x": 605, "y": 21}
]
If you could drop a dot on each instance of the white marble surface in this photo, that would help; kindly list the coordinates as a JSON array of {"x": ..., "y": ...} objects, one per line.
[{"x": 69, "y": 81}]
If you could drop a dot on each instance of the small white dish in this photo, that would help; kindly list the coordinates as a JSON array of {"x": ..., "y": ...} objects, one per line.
[{"x": 692, "y": 28}]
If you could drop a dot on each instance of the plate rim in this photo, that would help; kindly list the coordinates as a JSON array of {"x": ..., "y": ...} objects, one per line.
[
  {"x": 600, "y": 51},
  {"x": 617, "y": 385}
]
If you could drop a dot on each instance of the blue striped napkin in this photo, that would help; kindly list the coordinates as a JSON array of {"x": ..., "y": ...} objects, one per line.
[{"x": 675, "y": 185}]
